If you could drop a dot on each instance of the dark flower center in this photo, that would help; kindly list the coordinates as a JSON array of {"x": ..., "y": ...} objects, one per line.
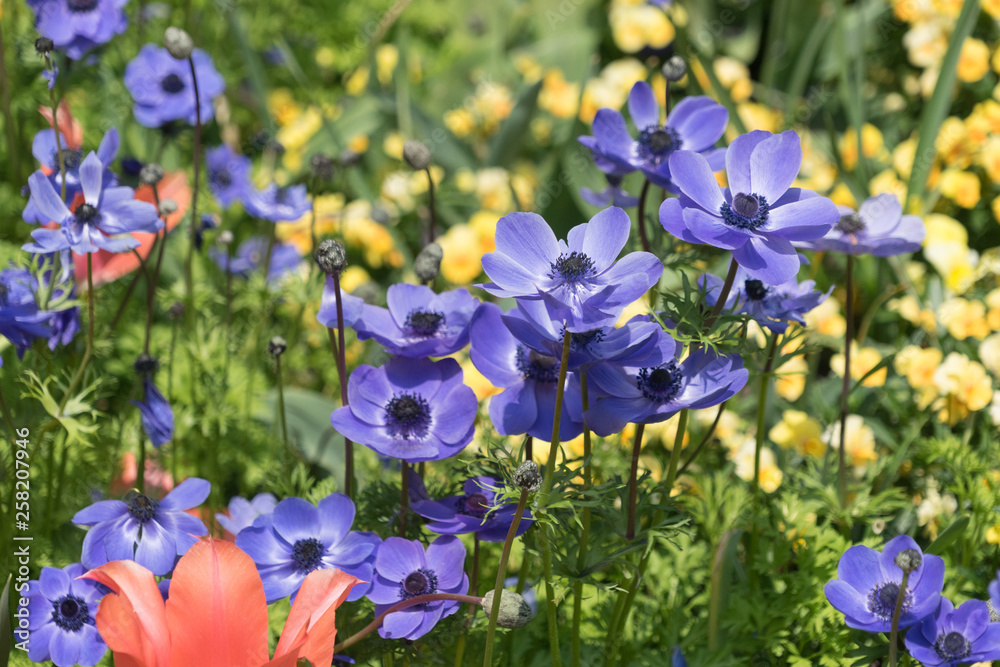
[
  {"x": 4, "y": 291},
  {"x": 755, "y": 290},
  {"x": 308, "y": 554},
  {"x": 952, "y": 646},
  {"x": 660, "y": 384},
  {"x": 657, "y": 142},
  {"x": 849, "y": 224},
  {"x": 424, "y": 322},
  {"x": 81, "y": 5},
  {"x": 172, "y": 83},
  {"x": 281, "y": 195},
  {"x": 475, "y": 504},
  {"x": 418, "y": 582},
  {"x": 70, "y": 613},
  {"x": 747, "y": 211},
  {"x": 86, "y": 214},
  {"x": 141, "y": 507},
  {"x": 536, "y": 366},
  {"x": 882, "y": 600},
  {"x": 582, "y": 340},
  {"x": 71, "y": 159},
  {"x": 572, "y": 267},
  {"x": 408, "y": 415},
  {"x": 222, "y": 178}
]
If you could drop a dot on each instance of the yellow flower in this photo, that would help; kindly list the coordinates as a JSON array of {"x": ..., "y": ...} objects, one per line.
[
  {"x": 386, "y": 59},
  {"x": 918, "y": 365},
  {"x": 357, "y": 81},
  {"x": 952, "y": 143},
  {"x": 842, "y": 196},
  {"x": 800, "y": 432},
  {"x": 926, "y": 43},
  {"x": 887, "y": 181},
  {"x": 903, "y": 155},
  {"x": 859, "y": 442},
  {"x": 965, "y": 385},
  {"x": 358, "y": 143},
  {"x": 947, "y": 249},
  {"x": 461, "y": 122},
  {"x": 283, "y": 106},
  {"x": 393, "y": 145},
  {"x": 872, "y": 145},
  {"x": 493, "y": 189},
  {"x": 989, "y": 353},
  {"x": 529, "y": 68},
  {"x": 992, "y": 537},
  {"x": 557, "y": 96},
  {"x": 353, "y": 277},
  {"x": 909, "y": 309},
  {"x": 770, "y": 473},
  {"x": 325, "y": 57},
  {"x": 471, "y": 376},
  {"x": 962, "y": 187},
  {"x": 636, "y": 27},
  {"x": 974, "y": 60},
  {"x": 610, "y": 89},
  {"x": 989, "y": 157},
  {"x": 757, "y": 117},
  {"x": 863, "y": 360},
  {"x": 964, "y": 319},
  {"x": 933, "y": 507},
  {"x": 666, "y": 433},
  {"x": 826, "y": 320},
  {"x": 993, "y": 304},
  {"x": 991, "y": 7},
  {"x": 460, "y": 264},
  {"x": 790, "y": 378}
]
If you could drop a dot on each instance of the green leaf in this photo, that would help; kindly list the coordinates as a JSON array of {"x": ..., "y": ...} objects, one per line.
[
  {"x": 937, "y": 107},
  {"x": 946, "y": 538},
  {"x": 508, "y": 141},
  {"x": 6, "y": 632},
  {"x": 308, "y": 414}
]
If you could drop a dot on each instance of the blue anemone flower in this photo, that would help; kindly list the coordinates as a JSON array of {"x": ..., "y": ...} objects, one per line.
[
  {"x": 772, "y": 306},
  {"x": 955, "y": 636},
  {"x": 157, "y": 415},
  {"x": 228, "y": 174},
  {"x": 877, "y": 228},
  {"x": 77, "y": 26},
  {"x": 276, "y": 204},
  {"x": 242, "y": 512},
  {"x": 163, "y": 89},
  {"x": 62, "y": 609},
  {"x": 475, "y": 510}
]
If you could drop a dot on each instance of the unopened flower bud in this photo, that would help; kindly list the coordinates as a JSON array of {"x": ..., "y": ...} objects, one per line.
[
  {"x": 674, "y": 69},
  {"x": 322, "y": 167},
  {"x": 167, "y": 207},
  {"x": 224, "y": 238},
  {"x": 427, "y": 265},
  {"x": 150, "y": 174},
  {"x": 527, "y": 477},
  {"x": 176, "y": 310},
  {"x": 145, "y": 363},
  {"x": 994, "y": 616},
  {"x": 44, "y": 46},
  {"x": 514, "y": 611},
  {"x": 331, "y": 257},
  {"x": 416, "y": 155},
  {"x": 909, "y": 560},
  {"x": 277, "y": 346},
  {"x": 179, "y": 44}
]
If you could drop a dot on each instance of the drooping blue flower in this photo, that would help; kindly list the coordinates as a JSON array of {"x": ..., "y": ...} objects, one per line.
[
  {"x": 45, "y": 150},
  {"x": 243, "y": 512},
  {"x": 250, "y": 256},
  {"x": 104, "y": 221},
  {"x": 299, "y": 537},
  {"x": 350, "y": 305},
  {"x": 410, "y": 409},
  {"x": 759, "y": 216},
  {"x": 276, "y": 204},
  {"x": 877, "y": 228},
  {"x": 157, "y": 415},
  {"x": 21, "y": 321},
  {"x": 77, "y": 26},
  {"x": 152, "y": 533},
  {"x": 951, "y": 637},
  {"x": 228, "y": 174},
  {"x": 677, "y": 658},
  {"x": 163, "y": 89},
  {"x": 994, "y": 591},
  {"x": 579, "y": 280},
  {"x": 694, "y": 124},
  {"x": 650, "y": 389},
  {"x": 612, "y": 195},
  {"x": 868, "y": 586},
  {"x": 772, "y": 306},
  {"x": 529, "y": 380},
  {"x": 403, "y": 570},
  {"x": 418, "y": 322},
  {"x": 471, "y": 512},
  {"x": 61, "y": 612}
]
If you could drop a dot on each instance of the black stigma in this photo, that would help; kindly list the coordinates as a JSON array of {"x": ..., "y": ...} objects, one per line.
[
  {"x": 424, "y": 322},
  {"x": 660, "y": 384},
  {"x": 85, "y": 214},
  {"x": 747, "y": 211},
  {"x": 656, "y": 143},
  {"x": 70, "y": 613},
  {"x": 308, "y": 554},
  {"x": 572, "y": 267},
  {"x": 850, "y": 224},
  {"x": 882, "y": 599},
  {"x": 81, "y": 5},
  {"x": 755, "y": 290},
  {"x": 71, "y": 159},
  {"x": 223, "y": 178},
  {"x": 888, "y": 595},
  {"x": 281, "y": 195},
  {"x": 418, "y": 582},
  {"x": 172, "y": 84},
  {"x": 4, "y": 291},
  {"x": 141, "y": 507},
  {"x": 582, "y": 340},
  {"x": 537, "y": 366},
  {"x": 476, "y": 505},
  {"x": 408, "y": 415},
  {"x": 746, "y": 205},
  {"x": 953, "y": 646}
]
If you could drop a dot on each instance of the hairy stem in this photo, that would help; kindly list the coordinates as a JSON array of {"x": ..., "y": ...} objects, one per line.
[{"x": 501, "y": 573}]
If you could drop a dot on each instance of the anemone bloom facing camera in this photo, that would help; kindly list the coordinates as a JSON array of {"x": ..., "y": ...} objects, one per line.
[
  {"x": 955, "y": 636},
  {"x": 418, "y": 322}
]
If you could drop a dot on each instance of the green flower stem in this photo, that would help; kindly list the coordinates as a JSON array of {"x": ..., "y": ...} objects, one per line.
[
  {"x": 75, "y": 382},
  {"x": 896, "y": 613},
  {"x": 555, "y": 657},
  {"x": 633, "y": 490},
  {"x": 404, "y": 498},
  {"x": 765, "y": 385},
  {"x": 341, "y": 356},
  {"x": 430, "y": 204},
  {"x": 727, "y": 286},
  {"x": 550, "y": 464},
  {"x": 474, "y": 587},
  {"x": 846, "y": 387},
  {"x": 675, "y": 453},
  {"x": 581, "y": 557},
  {"x": 189, "y": 260},
  {"x": 704, "y": 441},
  {"x": 399, "y": 606},
  {"x": 501, "y": 573},
  {"x": 642, "y": 216},
  {"x": 55, "y": 130},
  {"x": 289, "y": 455}
]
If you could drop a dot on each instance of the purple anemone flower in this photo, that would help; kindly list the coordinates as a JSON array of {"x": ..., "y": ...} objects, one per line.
[
  {"x": 868, "y": 586},
  {"x": 163, "y": 530},
  {"x": 951, "y": 637},
  {"x": 228, "y": 174},
  {"x": 157, "y": 415},
  {"x": 163, "y": 89},
  {"x": 77, "y": 26},
  {"x": 403, "y": 570},
  {"x": 476, "y": 510},
  {"x": 579, "y": 280},
  {"x": 45, "y": 150},
  {"x": 529, "y": 380},
  {"x": 759, "y": 215},
  {"x": 350, "y": 305},
  {"x": 104, "y": 221},
  {"x": 21, "y": 321},
  {"x": 61, "y": 612},
  {"x": 650, "y": 389},
  {"x": 299, "y": 537},
  {"x": 243, "y": 512},
  {"x": 694, "y": 124},
  {"x": 410, "y": 409},
  {"x": 877, "y": 228},
  {"x": 994, "y": 591},
  {"x": 613, "y": 195},
  {"x": 418, "y": 322},
  {"x": 250, "y": 256},
  {"x": 278, "y": 204},
  {"x": 772, "y": 306}
]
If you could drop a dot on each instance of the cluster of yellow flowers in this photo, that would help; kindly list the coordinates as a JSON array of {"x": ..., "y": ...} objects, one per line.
[
  {"x": 954, "y": 385},
  {"x": 638, "y": 25},
  {"x": 481, "y": 113}
]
